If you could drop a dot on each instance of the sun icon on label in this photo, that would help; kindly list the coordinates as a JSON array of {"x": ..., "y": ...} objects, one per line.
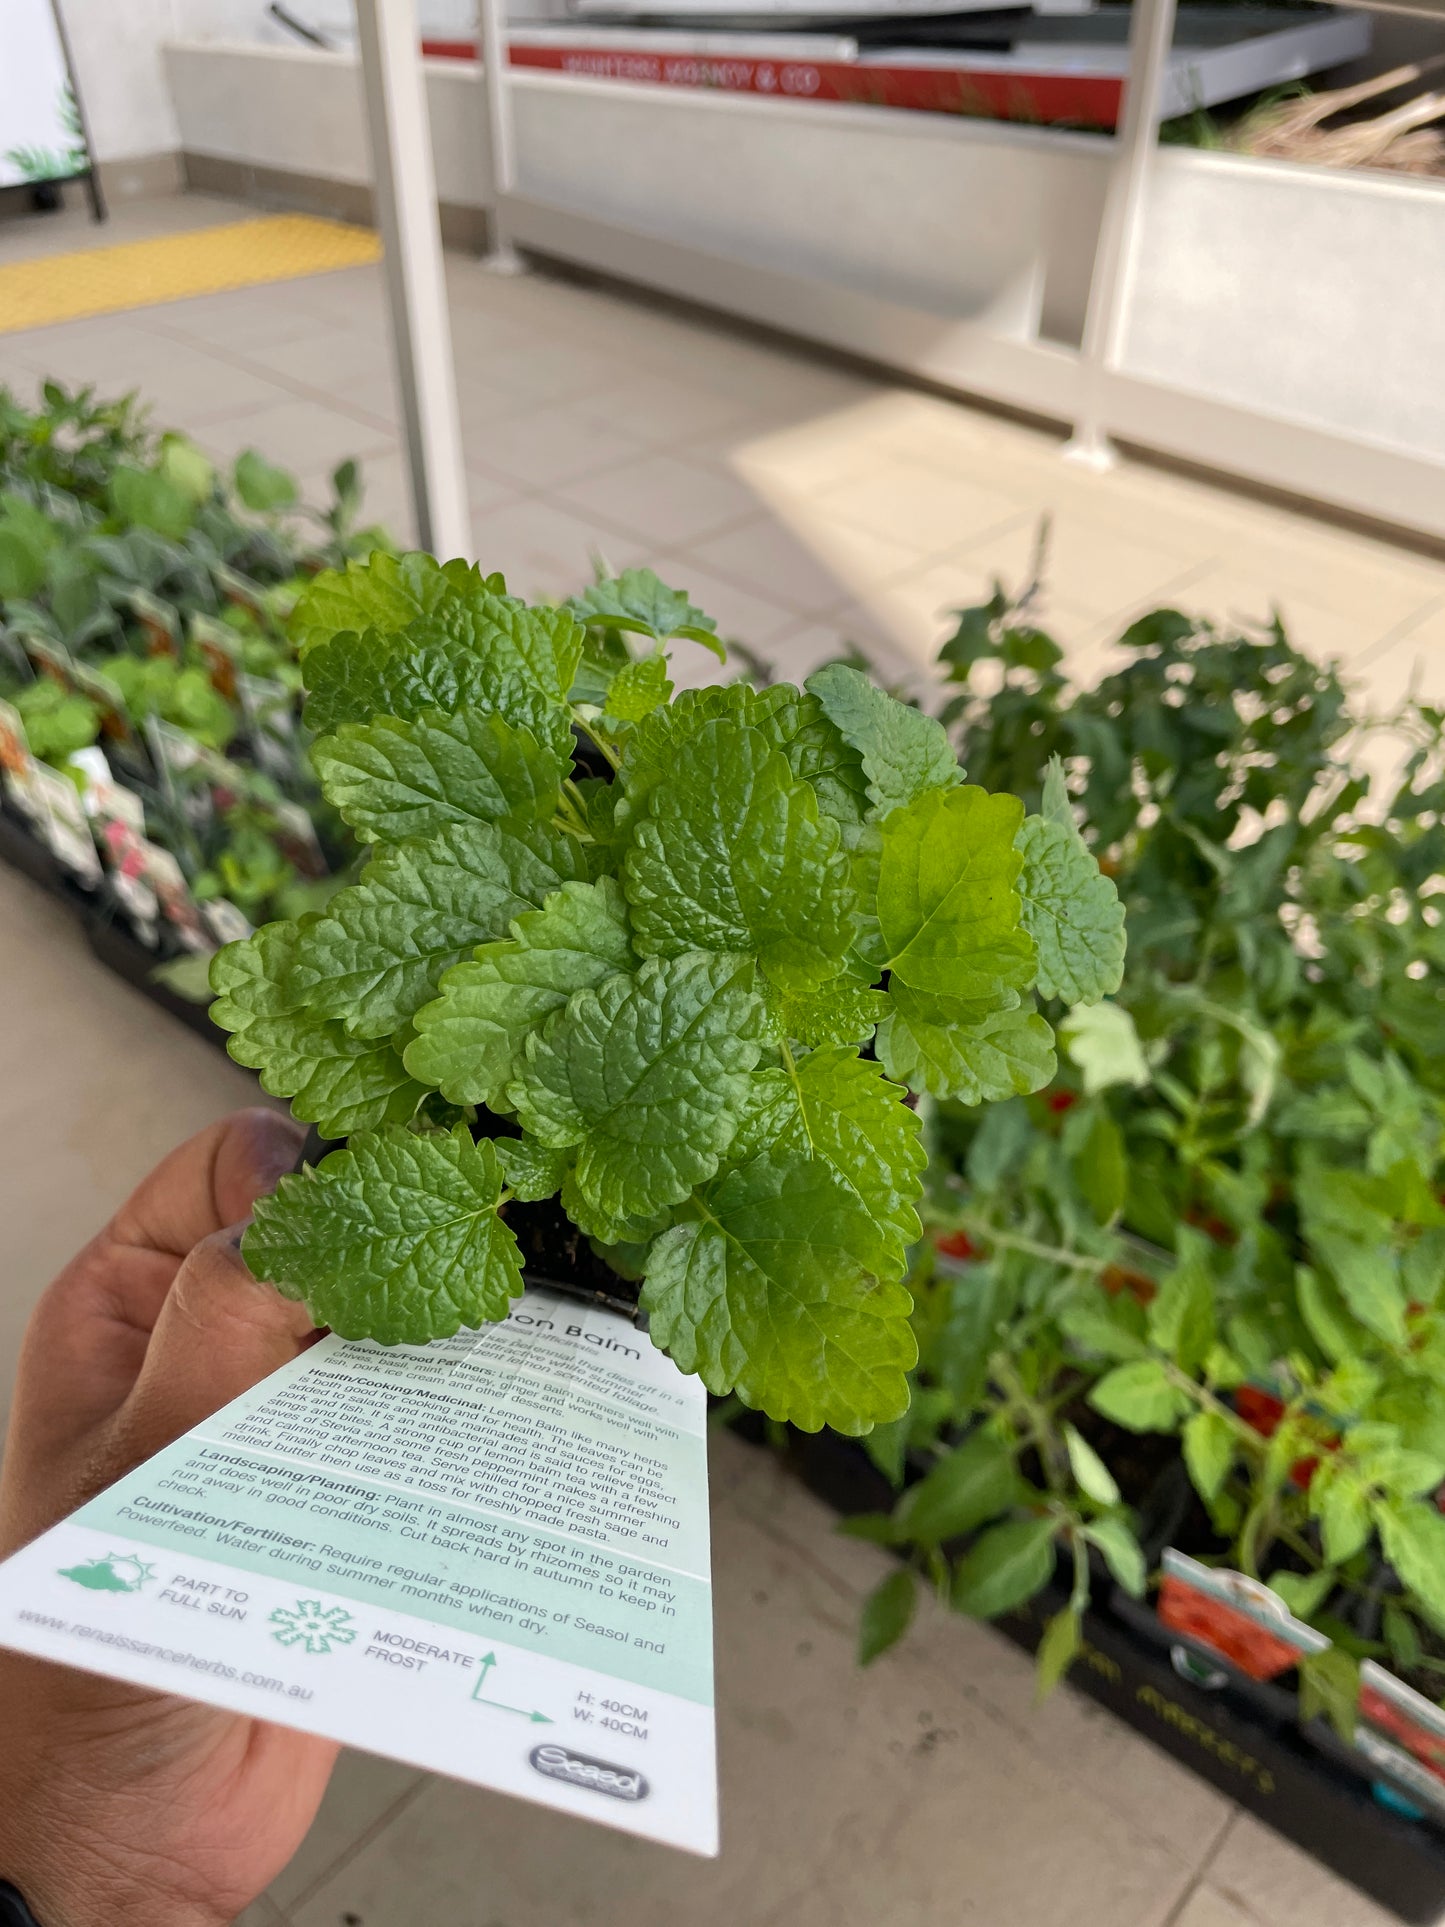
[
  {"x": 116, "y": 1572},
  {"x": 313, "y": 1627}
]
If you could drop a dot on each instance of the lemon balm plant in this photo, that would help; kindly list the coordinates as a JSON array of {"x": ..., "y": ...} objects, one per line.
[{"x": 685, "y": 962}]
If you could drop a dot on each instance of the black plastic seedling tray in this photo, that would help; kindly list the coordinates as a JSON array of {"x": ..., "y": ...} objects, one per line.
[
  {"x": 107, "y": 936},
  {"x": 1240, "y": 1735}
]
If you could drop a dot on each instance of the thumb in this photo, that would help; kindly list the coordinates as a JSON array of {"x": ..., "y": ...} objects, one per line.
[{"x": 219, "y": 1333}]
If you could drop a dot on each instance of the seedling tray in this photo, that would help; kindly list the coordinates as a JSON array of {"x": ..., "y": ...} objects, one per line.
[
  {"x": 1240, "y": 1735},
  {"x": 105, "y": 934}
]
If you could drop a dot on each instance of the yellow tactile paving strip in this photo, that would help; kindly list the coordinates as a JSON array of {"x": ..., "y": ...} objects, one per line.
[{"x": 140, "y": 274}]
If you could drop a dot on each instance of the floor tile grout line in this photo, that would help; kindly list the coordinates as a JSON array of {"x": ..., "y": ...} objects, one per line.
[
  {"x": 580, "y": 512},
  {"x": 1177, "y": 1911},
  {"x": 817, "y": 612},
  {"x": 368, "y": 1835},
  {"x": 1108, "y": 626},
  {"x": 1400, "y": 633},
  {"x": 304, "y": 391},
  {"x": 937, "y": 558}
]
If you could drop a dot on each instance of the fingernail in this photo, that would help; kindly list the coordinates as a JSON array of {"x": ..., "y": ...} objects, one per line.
[{"x": 234, "y": 1233}]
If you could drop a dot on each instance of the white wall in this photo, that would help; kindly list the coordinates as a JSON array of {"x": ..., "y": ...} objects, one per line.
[
  {"x": 935, "y": 213},
  {"x": 1285, "y": 323},
  {"x": 1305, "y": 292},
  {"x": 301, "y": 110},
  {"x": 117, "y": 45}
]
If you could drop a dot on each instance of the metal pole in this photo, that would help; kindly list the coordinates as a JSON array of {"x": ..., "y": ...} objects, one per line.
[
  {"x": 406, "y": 205},
  {"x": 501, "y": 257},
  {"x": 1151, "y": 34}
]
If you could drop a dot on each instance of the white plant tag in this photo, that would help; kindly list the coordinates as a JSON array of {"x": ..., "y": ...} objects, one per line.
[{"x": 487, "y": 1557}]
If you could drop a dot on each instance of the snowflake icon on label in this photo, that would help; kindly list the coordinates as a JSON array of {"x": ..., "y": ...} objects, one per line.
[{"x": 313, "y": 1627}]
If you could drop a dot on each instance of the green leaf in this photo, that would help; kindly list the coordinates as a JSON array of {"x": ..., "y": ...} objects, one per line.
[
  {"x": 840, "y": 1012},
  {"x": 834, "y": 1106},
  {"x": 485, "y": 652},
  {"x": 1007, "y": 1565},
  {"x": 378, "y": 951},
  {"x": 1329, "y": 1687},
  {"x": 145, "y": 499},
  {"x": 612, "y": 1229},
  {"x": 1368, "y": 1278},
  {"x": 638, "y": 688},
  {"x": 471, "y": 1040},
  {"x": 875, "y": 1528},
  {"x": 1210, "y": 1445},
  {"x": 973, "y": 1484},
  {"x": 1100, "y": 1169},
  {"x": 532, "y": 1171},
  {"x": 1073, "y": 913},
  {"x": 647, "y": 1077},
  {"x": 904, "y": 752},
  {"x": 187, "y": 976},
  {"x": 1058, "y": 1649},
  {"x": 792, "y": 722},
  {"x": 262, "y": 486},
  {"x": 1412, "y": 1533},
  {"x": 186, "y": 468},
  {"x": 385, "y": 593},
  {"x": 1181, "y": 1315},
  {"x": 887, "y": 1614},
  {"x": 336, "y": 1081},
  {"x": 638, "y": 602},
  {"x": 1123, "y": 1555},
  {"x": 797, "y": 725},
  {"x": 1140, "y": 1396},
  {"x": 1008, "y": 1054},
  {"x": 1323, "y": 1310},
  {"x": 23, "y": 566},
  {"x": 392, "y": 780},
  {"x": 734, "y": 856},
  {"x": 654, "y": 749},
  {"x": 887, "y": 1447},
  {"x": 1111, "y": 1326},
  {"x": 948, "y": 912},
  {"x": 1337, "y": 1500},
  {"x": 1103, "y": 1043},
  {"x": 396, "y": 1238},
  {"x": 761, "y": 1294},
  {"x": 1095, "y": 1479},
  {"x": 1303, "y": 1592}
]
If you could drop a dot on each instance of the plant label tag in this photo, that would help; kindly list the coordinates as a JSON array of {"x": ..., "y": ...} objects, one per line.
[{"x": 487, "y": 1557}]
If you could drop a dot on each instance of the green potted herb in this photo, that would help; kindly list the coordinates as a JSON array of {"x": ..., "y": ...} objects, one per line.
[
  {"x": 143, "y": 654},
  {"x": 680, "y": 962},
  {"x": 1194, "y": 1295}
]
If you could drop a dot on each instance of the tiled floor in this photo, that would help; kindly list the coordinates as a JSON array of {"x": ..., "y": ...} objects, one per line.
[{"x": 803, "y": 506}]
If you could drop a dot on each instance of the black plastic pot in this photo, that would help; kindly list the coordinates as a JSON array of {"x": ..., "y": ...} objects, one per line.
[{"x": 1242, "y": 1735}]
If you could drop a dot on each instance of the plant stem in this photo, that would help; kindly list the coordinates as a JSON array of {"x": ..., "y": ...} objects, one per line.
[
  {"x": 1251, "y": 1440},
  {"x": 568, "y": 818},
  {"x": 1079, "y": 1598},
  {"x": 595, "y": 738},
  {"x": 1031, "y": 1247}
]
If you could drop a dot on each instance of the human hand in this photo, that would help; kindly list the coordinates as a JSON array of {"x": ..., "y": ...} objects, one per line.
[{"x": 120, "y": 1805}]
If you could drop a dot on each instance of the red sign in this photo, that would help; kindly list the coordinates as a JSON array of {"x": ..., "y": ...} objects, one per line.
[{"x": 1075, "y": 100}]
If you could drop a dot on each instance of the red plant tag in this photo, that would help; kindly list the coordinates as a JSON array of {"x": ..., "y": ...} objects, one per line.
[
  {"x": 1234, "y": 1616},
  {"x": 1398, "y": 1711},
  {"x": 957, "y": 1244}
]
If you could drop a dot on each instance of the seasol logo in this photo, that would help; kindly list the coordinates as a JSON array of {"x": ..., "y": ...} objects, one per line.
[{"x": 561, "y": 1763}]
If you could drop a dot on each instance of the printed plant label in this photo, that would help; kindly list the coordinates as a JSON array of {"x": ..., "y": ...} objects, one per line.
[
  {"x": 487, "y": 1556},
  {"x": 1234, "y": 1616}
]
